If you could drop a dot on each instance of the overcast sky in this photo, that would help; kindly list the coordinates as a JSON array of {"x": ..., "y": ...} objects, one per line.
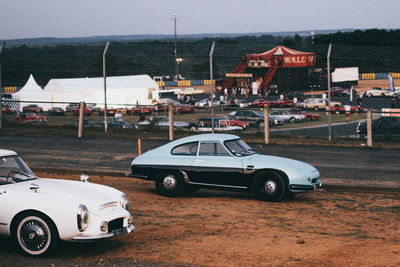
[{"x": 78, "y": 18}]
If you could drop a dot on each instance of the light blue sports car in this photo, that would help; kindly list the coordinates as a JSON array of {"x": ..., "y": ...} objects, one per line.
[{"x": 222, "y": 161}]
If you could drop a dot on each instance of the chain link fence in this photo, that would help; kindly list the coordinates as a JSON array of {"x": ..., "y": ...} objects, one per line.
[{"x": 291, "y": 82}]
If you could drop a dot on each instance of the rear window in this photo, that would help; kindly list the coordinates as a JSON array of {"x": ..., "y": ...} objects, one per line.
[{"x": 188, "y": 149}]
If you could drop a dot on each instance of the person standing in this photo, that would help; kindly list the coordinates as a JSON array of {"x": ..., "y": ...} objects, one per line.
[{"x": 347, "y": 109}]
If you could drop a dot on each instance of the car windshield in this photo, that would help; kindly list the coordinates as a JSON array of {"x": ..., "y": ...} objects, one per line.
[
  {"x": 239, "y": 148},
  {"x": 13, "y": 170}
]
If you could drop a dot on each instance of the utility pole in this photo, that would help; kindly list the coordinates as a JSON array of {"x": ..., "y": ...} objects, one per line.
[
  {"x": 212, "y": 86},
  {"x": 105, "y": 87},
  {"x": 175, "y": 51},
  {"x": 1, "y": 89},
  {"x": 328, "y": 66}
]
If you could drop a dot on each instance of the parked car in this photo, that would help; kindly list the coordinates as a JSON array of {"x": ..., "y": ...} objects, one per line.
[
  {"x": 309, "y": 116},
  {"x": 140, "y": 110},
  {"x": 32, "y": 108},
  {"x": 30, "y": 117},
  {"x": 316, "y": 104},
  {"x": 39, "y": 212},
  {"x": 377, "y": 91},
  {"x": 342, "y": 110},
  {"x": 162, "y": 121},
  {"x": 259, "y": 103},
  {"x": 288, "y": 116},
  {"x": 71, "y": 107},
  {"x": 220, "y": 125},
  {"x": 205, "y": 102},
  {"x": 5, "y": 109},
  {"x": 281, "y": 103},
  {"x": 222, "y": 161},
  {"x": 115, "y": 123},
  {"x": 56, "y": 111},
  {"x": 383, "y": 126},
  {"x": 86, "y": 112},
  {"x": 110, "y": 112},
  {"x": 254, "y": 117}
]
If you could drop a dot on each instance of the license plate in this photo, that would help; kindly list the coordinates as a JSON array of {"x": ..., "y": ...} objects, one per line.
[{"x": 119, "y": 231}]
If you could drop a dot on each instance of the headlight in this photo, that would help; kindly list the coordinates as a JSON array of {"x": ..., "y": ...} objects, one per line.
[
  {"x": 82, "y": 217},
  {"x": 125, "y": 202}
]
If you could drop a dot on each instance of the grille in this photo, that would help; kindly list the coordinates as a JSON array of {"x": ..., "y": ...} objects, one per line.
[
  {"x": 315, "y": 180},
  {"x": 115, "y": 224}
]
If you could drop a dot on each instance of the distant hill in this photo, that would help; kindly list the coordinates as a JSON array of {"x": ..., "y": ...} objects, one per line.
[{"x": 154, "y": 37}]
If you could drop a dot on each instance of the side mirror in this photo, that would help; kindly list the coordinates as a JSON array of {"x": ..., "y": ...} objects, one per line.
[{"x": 84, "y": 177}]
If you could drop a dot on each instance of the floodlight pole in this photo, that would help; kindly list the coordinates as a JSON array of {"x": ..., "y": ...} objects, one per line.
[
  {"x": 212, "y": 86},
  {"x": 175, "y": 51},
  {"x": 1, "y": 89},
  {"x": 105, "y": 87},
  {"x": 328, "y": 65}
]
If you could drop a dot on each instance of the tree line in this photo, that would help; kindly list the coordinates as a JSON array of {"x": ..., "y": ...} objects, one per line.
[{"x": 370, "y": 50}]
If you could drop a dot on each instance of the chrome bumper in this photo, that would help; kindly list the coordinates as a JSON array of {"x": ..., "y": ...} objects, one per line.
[
  {"x": 118, "y": 232},
  {"x": 305, "y": 187}
]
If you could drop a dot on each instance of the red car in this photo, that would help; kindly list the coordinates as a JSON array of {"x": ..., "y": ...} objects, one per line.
[
  {"x": 86, "y": 112},
  {"x": 6, "y": 109},
  {"x": 32, "y": 108},
  {"x": 110, "y": 112},
  {"x": 281, "y": 103},
  {"x": 342, "y": 110},
  {"x": 140, "y": 110},
  {"x": 243, "y": 124},
  {"x": 259, "y": 103},
  {"x": 30, "y": 117},
  {"x": 183, "y": 109},
  {"x": 310, "y": 116}
]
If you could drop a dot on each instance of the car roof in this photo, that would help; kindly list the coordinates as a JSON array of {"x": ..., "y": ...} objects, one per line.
[
  {"x": 207, "y": 137},
  {"x": 4, "y": 152}
]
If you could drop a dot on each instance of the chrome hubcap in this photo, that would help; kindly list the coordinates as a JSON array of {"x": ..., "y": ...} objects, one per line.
[
  {"x": 270, "y": 187},
  {"x": 34, "y": 235},
  {"x": 169, "y": 182}
]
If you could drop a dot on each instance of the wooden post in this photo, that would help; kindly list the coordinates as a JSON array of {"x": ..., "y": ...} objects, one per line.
[
  {"x": 171, "y": 121},
  {"x": 81, "y": 118},
  {"x": 266, "y": 124},
  {"x": 369, "y": 127},
  {"x": 139, "y": 147}
]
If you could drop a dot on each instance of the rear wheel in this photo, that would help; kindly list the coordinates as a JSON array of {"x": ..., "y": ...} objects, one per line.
[
  {"x": 272, "y": 187},
  {"x": 35, "y": 234},
  {"x": 169, "y": 184},
  {"x": 292, "y": 120},
  {"x": 316, "y": 108}
]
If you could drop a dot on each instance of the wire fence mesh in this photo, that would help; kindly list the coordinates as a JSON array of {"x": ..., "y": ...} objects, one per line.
[{"x": 292, "y": 82}]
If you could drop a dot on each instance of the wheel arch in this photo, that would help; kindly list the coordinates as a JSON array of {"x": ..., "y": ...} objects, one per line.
[
  {"x": 259, "y": 174},
  {"x": 21, "y": 214}
]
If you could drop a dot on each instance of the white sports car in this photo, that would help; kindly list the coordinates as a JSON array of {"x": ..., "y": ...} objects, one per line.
[{"x": 37, "y": 212}]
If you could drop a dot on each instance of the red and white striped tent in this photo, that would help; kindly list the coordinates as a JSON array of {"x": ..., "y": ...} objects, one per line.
[{"x": 278, "y": 57}]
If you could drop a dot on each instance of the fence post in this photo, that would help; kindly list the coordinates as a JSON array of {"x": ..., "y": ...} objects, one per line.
[
  {"x": 171, "y": 121},
  {"x": 266, "y": 124},
  {"x": 369, "y": 127},
  {"x": 1, "y": 89},
  {"x": 81, "y": 113},
  {"x": 105, "y": 87},
  {"x": 139, "y": 147}
]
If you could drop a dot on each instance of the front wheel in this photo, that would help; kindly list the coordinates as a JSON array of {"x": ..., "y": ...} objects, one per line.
[
  {"x": 35, "y": 234},
  {"x": 272, "y": 188},
  {"x": 292, "y": 120},
  {"x": 169, "y": 184}
]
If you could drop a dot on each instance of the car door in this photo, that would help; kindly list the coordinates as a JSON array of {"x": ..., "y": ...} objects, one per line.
[{"x": 215, "y": 166}]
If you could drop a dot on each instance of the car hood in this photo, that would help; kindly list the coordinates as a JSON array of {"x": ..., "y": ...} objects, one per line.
[
  {"x": 77, "y": 192},
  {"x": 288, "y": 165}
]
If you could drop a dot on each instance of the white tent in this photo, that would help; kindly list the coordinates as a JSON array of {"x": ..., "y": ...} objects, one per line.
[
  {"x": 30, "y": 92},
  {"x": 121, "y": 90}
]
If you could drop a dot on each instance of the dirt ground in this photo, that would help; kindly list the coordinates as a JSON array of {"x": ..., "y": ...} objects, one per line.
[{"x": 218, "y": 228}]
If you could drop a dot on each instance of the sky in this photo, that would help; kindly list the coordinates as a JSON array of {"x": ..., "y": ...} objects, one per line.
[{"x": 81, "y": 18}]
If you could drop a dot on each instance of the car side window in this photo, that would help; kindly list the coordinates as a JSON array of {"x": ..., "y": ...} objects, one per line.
[
  {"x": 212, "y": 149},
  {"x": 188, "y": 149}
]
